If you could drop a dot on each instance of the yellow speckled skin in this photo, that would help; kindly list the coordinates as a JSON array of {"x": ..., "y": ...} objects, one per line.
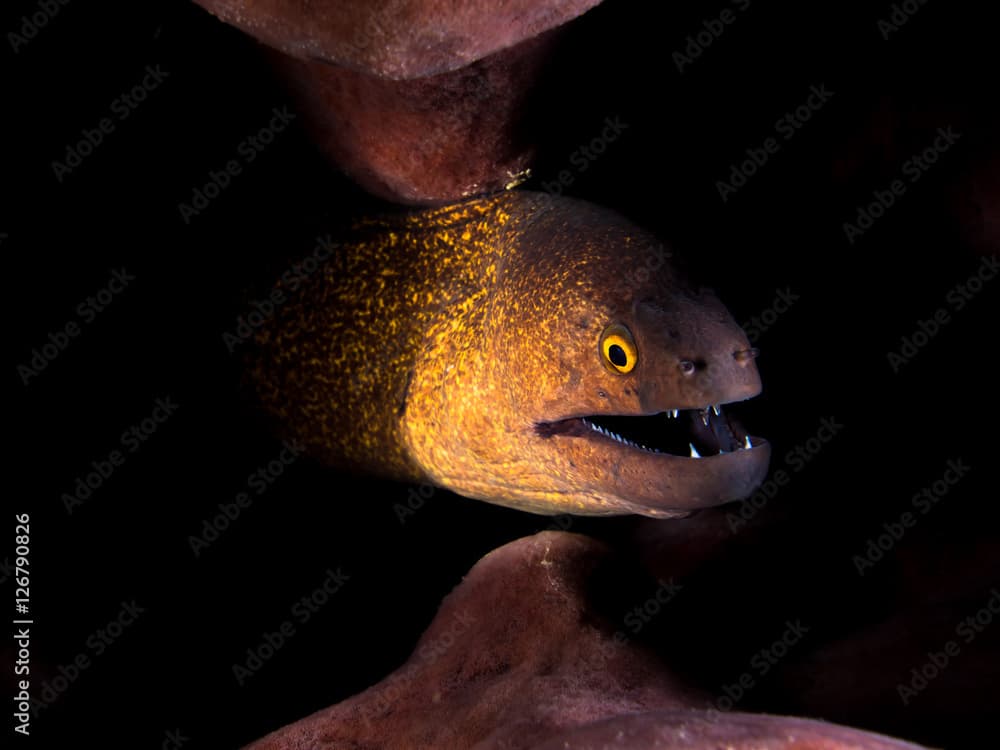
[{"x": 432, "y": 348}]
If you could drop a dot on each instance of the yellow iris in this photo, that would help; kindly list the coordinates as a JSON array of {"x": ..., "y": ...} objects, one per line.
[{"x": 618, "y": 348}]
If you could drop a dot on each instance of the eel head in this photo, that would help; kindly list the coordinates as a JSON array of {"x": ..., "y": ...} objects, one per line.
[{"x": 603, "y": 382}]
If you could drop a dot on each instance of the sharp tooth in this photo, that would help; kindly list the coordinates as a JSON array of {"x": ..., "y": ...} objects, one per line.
[
  {"x": 717, "y": 408},
  {"x": 704, "y": 417},
  {"x": 746, "y": 442},
  {"x": 694, "y": 453}
]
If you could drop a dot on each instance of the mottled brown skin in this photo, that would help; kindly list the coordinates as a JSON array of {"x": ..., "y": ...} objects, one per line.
[
  {"x": 427, "y": 141},
  {"x": 440, "y": 347},
  {"x": 519, "y": 656},
  {"x": 689, "y": 730},
  {"x": 398, "y": 39},
  {"x": 421, "y": 102}
]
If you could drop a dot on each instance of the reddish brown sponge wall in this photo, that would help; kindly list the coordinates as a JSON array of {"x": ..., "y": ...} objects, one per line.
[
  {"x": 396, "y": 39},
  {"x": 423, "y": 141},
  {"x": 395, "y": 93},
  {"x": 519, "y": 657}
]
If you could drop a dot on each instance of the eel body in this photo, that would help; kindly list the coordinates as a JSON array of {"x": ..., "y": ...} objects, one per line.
[{"x": 523, "y": 349}]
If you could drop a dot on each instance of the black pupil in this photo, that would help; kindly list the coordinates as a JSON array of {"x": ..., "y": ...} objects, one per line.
[{"x": 617, "y": 355}]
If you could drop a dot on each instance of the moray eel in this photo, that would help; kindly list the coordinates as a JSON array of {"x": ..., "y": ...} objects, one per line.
[{"x": 531, "y": 351}]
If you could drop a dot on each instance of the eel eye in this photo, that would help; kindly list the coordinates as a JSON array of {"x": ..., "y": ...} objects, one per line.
[{"x": 618, "y": 348}]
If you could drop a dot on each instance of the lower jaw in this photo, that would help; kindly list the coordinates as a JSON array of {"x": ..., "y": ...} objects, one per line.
[
  {"x": 573, "y": 472},
  {"x": 668, "y": 486}
]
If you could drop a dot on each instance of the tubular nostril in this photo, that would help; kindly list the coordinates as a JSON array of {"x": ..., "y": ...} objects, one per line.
[{"x": 746, "y": 355}]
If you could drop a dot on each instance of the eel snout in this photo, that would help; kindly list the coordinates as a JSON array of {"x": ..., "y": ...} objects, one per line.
[{"x": 663, "y": 437}]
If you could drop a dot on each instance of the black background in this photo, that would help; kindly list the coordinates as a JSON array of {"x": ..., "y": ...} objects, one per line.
[{"x": 162, "y": 337}]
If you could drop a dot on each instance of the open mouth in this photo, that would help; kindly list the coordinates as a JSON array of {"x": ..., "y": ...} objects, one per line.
[{"x": 692, "y": 433}]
